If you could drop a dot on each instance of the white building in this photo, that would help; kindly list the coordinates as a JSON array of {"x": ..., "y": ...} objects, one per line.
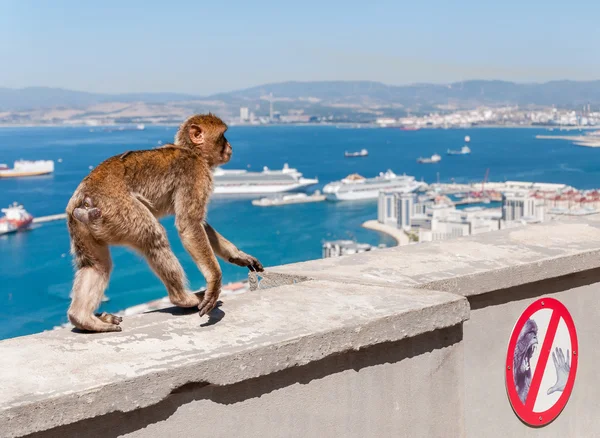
[
  {"x": 244, "y": 114},
  {"x": 522, "y": 206},
  {"x": 337, "y": 248},
  {"x": 434, "y": 221},
  {"x": 447, "y": 222},
  {"x": 396, "y": 208}
]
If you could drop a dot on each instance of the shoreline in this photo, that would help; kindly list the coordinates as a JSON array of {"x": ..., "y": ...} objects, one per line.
[
  {"x": 355, "y": 125},
  {"x": 398, "y": 235}
]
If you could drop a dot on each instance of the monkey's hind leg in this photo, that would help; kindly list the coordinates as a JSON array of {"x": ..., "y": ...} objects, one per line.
[
  {"x": 149, "y": 237},
  {"x": 91, "y": 279}
]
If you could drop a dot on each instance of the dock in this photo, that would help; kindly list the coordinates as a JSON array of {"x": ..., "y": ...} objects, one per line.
[{"x": 54, "y": 217}]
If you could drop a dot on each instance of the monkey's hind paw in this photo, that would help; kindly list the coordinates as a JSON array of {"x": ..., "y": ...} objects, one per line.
[
  {"x": 208, "y": 303},
  {"x": 110, "y": 319}
]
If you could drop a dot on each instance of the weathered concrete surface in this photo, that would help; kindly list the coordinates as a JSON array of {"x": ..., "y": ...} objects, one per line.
[
  {"x": 410, "y": 388},
  {"x": 467, "y": 266},
  {"x": 60, "y": 377}
]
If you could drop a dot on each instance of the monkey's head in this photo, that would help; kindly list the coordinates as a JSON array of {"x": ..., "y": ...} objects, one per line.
[
  {"x": 526, "y": 345},
  {"x": 205, "y": 133}
]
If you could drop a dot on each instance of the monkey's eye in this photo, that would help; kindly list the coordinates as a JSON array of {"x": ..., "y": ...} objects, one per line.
[{"x": 86, "y": 204}]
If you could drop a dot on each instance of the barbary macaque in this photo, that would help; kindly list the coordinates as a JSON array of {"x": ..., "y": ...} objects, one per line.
[{"x": 119, "y": 203}]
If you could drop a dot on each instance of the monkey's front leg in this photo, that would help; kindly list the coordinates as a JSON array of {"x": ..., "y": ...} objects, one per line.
[
  {"x": 229, "y": 252},
  {"x": 196, "y": 242}
]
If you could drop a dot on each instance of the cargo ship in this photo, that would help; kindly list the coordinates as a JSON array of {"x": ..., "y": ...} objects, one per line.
[
  {"x": 28, "y": 168},
  {"x": 16, "y": 218}
]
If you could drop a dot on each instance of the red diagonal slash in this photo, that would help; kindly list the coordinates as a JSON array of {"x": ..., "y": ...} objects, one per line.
[{"x": 542, "y": 361}]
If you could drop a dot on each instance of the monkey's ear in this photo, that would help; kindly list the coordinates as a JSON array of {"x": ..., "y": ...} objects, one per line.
[{"x": 196, "y": 134}]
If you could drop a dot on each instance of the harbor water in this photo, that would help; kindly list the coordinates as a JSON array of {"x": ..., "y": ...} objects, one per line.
[{"x": 36, "y": 268}]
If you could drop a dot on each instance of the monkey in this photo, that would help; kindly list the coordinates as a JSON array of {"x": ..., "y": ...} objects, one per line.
[
  {"x": 526, "y": 345},
  {"x": 119, "y": 203}
]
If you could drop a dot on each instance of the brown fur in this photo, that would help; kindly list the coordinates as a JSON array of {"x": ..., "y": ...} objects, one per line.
[{"x": 119, "y": 203}]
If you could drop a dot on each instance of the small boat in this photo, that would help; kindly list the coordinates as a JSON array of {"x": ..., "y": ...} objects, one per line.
[
  {"x": 409, "y": 128},
  {"x": 361, "y": 153},
  {"x": 467, "y": 139},
  {"x": 296, "y": 198},
  {"x": 434, "y": 159},
  {"x": 463, "y": 151}
]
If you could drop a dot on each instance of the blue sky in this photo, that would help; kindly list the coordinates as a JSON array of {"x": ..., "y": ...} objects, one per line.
[{"x": 205, "y": 47}]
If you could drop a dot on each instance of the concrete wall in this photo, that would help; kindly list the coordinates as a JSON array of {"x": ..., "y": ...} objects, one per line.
[
  {"x": 377, "y": 391},
  {"x": 486, "y": 334},
  {"x": 409, "y": 341}
]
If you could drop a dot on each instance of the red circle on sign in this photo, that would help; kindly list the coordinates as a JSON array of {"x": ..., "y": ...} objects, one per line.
[{"x": 525, "y": 409}]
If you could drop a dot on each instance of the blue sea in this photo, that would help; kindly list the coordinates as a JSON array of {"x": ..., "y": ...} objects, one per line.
[{"x": 35, "y": 266}]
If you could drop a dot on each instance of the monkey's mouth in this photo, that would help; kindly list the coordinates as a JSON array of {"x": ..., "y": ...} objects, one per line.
[{"x": 528, "y": 356}]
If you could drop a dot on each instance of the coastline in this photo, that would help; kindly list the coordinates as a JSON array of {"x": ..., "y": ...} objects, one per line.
[
  {"x": 355, "y": 125},
  {"x": 398, "y": 235}
]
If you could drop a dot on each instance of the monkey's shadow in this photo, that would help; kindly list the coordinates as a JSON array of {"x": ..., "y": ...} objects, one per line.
[{"x": 214, "y": 316}]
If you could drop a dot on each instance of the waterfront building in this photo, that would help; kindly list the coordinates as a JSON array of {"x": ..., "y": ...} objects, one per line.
[
  {"x": 396, "y": 208},
  {"x": 244, "y": 114},
  {"x": 447, "y": 222},
  {"x": 337, "y": 248},
  {"x": 522, "y": 205}
]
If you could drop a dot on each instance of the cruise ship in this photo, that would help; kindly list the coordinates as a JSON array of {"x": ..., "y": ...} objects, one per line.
[
  {"x": 242, "y": 182},
  {"x": 356, "y": 187},
  {"x": 28, "y": 168}
]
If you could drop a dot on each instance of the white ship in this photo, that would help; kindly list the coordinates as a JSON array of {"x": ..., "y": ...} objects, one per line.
[
  {"x": 295, "y": 198},
  {"x": 28, "y": 168},
  {"x": 434, "y": 159},
  {"x": 361, "y": 153},
  {"x": 242, "y": 182},
  {"x": 356, "y": 187},
  {"x": 463, "y": 151}
]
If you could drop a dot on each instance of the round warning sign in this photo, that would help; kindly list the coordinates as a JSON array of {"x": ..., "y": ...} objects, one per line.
[{"x": 541, "y": 362}]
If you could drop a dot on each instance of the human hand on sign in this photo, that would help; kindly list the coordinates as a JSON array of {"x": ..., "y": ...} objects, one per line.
[{"x": 563, "y": 367}]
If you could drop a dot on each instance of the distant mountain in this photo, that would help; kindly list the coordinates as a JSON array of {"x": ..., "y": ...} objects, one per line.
[
  {"x": 322, "y": 95},
  {"x": 44, "y": 97},
  {"x": 463, "y": 94}
]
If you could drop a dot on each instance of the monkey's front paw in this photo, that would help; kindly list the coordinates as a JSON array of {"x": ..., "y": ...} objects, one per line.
[{"x": 243, "y": 259}]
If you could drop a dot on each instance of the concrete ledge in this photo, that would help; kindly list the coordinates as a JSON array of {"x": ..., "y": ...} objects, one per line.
[
  {"x": 60, "y": 377},
  {"x": 468, "y": 266}
]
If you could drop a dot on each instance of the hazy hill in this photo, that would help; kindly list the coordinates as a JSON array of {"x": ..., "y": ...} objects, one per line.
[
  {"x": 44, "y": 97},
  {"x": 320, "y": 95},
  {"x": 468, "y": 93}
]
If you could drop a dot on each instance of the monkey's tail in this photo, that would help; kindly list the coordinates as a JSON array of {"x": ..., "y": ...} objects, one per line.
[{"x": 79, "y": 234}]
